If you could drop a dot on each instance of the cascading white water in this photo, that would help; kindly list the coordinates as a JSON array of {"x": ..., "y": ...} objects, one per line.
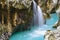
[{"x": 38, "y": 16}]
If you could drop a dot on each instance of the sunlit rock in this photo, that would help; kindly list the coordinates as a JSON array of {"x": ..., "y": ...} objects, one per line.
[
  {"x": 27, "y": 3},
  {"x": 58, "y": 11},
  {"x": 49, "y": 35},
  {"x": 53, "y": 35},
  {"x": 58, "y": 28},
  {"x": 19, "y": 3},
  {"x": 55, "y": 1}
]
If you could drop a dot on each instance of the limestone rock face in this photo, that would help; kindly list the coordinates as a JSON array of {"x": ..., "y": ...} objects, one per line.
[
  {"x": 58, "y": 11},
  {"x": 53, "y": 35},
  {"x": 20, "y": 14},
  {"x": 49, "y": 35},
  {"x": 27, "y": 3},
  {"x": 19, "y": 3}
]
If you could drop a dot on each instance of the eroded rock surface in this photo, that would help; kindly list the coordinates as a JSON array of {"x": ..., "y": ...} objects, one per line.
[{"x": 53, "y": 35}]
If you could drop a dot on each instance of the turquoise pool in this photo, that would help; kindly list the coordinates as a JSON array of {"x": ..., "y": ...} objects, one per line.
[{"x": 36, "y": 33}]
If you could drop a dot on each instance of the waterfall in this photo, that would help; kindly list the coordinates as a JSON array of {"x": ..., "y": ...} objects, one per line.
[{"x": 38, "y": 16}]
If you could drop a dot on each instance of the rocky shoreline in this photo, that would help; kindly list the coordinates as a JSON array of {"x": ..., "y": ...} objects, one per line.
[{"x": 53, "y": 34}]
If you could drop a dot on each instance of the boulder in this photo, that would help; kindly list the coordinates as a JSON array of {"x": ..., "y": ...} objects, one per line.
[{"x": 53, "y": 34}]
